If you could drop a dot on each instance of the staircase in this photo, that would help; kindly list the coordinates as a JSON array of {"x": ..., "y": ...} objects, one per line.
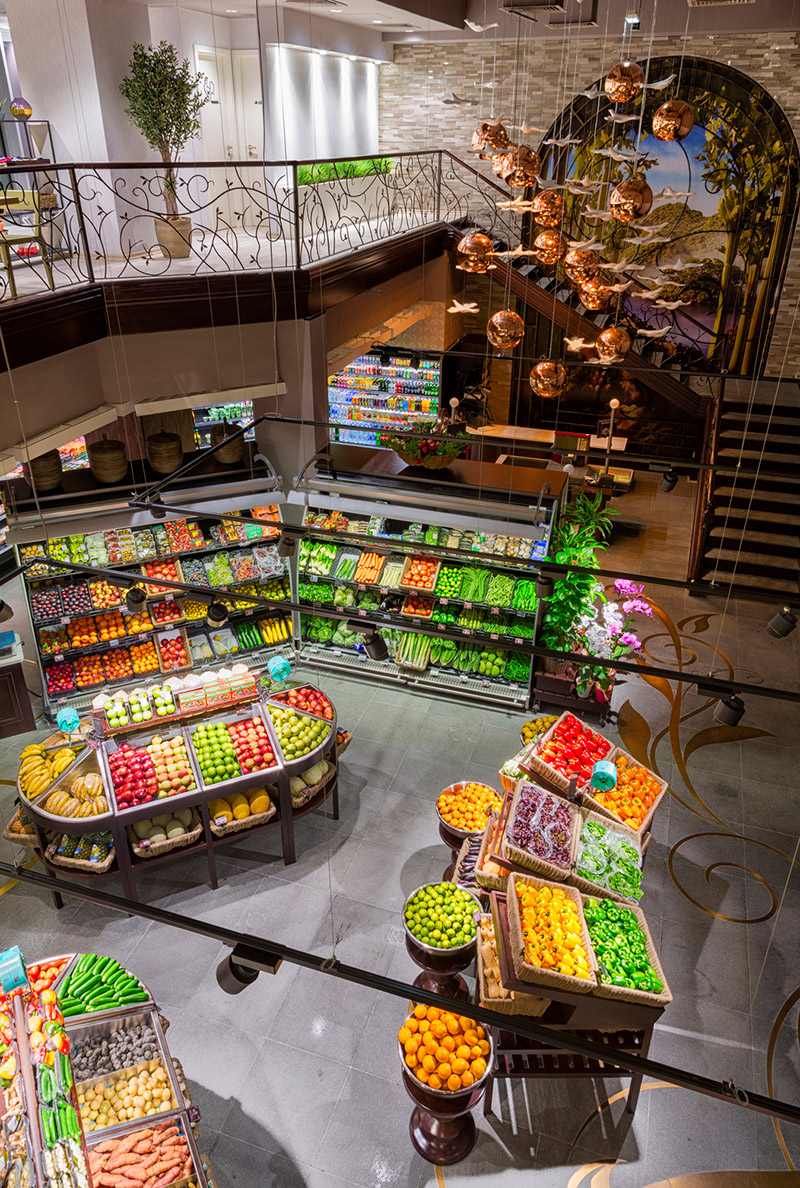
[{"x": 768, "y": 534}]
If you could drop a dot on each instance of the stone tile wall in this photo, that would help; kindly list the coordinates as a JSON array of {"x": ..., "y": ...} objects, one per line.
[{"x": 413, "y": 115}]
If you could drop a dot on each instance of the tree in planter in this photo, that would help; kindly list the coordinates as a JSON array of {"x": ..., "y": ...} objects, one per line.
[{"x": 164, "y": 98}]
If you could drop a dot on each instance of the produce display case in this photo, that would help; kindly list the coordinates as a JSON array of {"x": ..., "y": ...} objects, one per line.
[
  {"x": 50, "y": 1135},
  {"x": 480, "y": 564},
  {"x": 376, "y": 395},
  {"x": 146, "y": 794},
  {"x": 80, "y": 621}
]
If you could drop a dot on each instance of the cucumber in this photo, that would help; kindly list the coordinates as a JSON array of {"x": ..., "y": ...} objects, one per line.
[
  {"x": 127, "y": 999},
  {"x": 77, "y": 1010},
  {"x": 102, "y": 964}
]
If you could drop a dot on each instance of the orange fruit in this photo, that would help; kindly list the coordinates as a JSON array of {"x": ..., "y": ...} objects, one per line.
[
  {"x": 412, "y": 1024},
  {"x": 478, "y": 1068},
  {"x": 484, "y": 1047},
  {"x": 433, "y": 1013},
  {"x": 424, "y": 1026},
  {"x": 434, "y": 1081},
  {"x": 481, "y": 1033},
  {"x": 453, "y": 1083},
  {"x": 442, "y": 1055},
  {"x": 420, "y": 1011},
  {"x": 444, "y": 1071},
  {"x": 428, "y": 1063},
  {"x": 470, "y": 1037},
  {"x": 462, "y": 1052},
  {"x": 439, "y": 1029},
  {"x": 449, "y": 1043},
  {"x": 466, "y": 1024},
  {"x": 412, "y": 1045},
  {"x": 475, "y": 1052},
  {"x": 421, "y": 1075},
  {"x": 411, "y": 1060},
  {"x": 453, "y": 1025},
  {"x": 467, "y": 1079},
  {"x": 404, "y": 1035},
  {"x": 459, "y": 1066},
  {"x": 429, "y": 1042}
]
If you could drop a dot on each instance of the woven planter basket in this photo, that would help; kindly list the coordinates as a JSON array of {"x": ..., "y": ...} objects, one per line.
[
  {"x": 108, "y": 460},
  {"x": 489, "y": 882},
  {"x": 44, "y": 472},
  {"x": 18, "y": 839},
  {"x": 154, "y": 849},
  {"x": 299, "y": 802},
  {"x": 588, "y": 799},
  {"x": 585, "y": 886},
  {"x": 518, "y": 1004},
  {"x": 232, "y": 451},
  {"x": 164, "y": 452},
  {"x": 250, "y": 822},
  {"x": 536, "y": 973},
  {"x": 430, "y": 461},
  {"x": 81, "y": 863}
]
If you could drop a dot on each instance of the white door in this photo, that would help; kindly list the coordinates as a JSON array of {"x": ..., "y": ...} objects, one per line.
[
  {"x": 257, "y": 211},
  {"x": 218, "y": 132}
]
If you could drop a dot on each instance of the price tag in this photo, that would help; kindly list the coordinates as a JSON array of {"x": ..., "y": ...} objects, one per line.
[
  {"x": 440, "y": 626},
  {"x": 65, "y": 619},
  {"x": 466, "y": 631},
  {"x": 463, "y": 678},
  {"x": 361, "y": 586},
  {"x": 362, "y": 614},
  {"x": 58, "y": 657},
  {"x": 314, "y": 577},
  {"x": 249, "y": 610},
  {"x": 494, "y": 637},
  {"x": 194, "y": 1113},
  {"x": 485, "y": 684},
  {"x": 169, "y": 596},
  {"x": 91, "y": 743},
  {"x": 337, "y": 651},
  {"x": 219, "y": 821},
  {"x": 520, "y": 614},
  {"x": 443, "y": 601},
  {"x": 384, "y": 590},
  {"x": 493, "y": 610},
  {"x": 517, "y": 640},
  {"x": 114, "y": 643},
  {"x": 316, "y": 604},
  {"x": 467, "y": 606},
  {"x": 362, "y": 655},
  {"x": 415, "y": 621},
  {"x": 435, "y": 671}
]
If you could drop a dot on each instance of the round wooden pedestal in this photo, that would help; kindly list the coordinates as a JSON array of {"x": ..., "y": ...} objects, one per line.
[{"x": 441, "y": 1127}]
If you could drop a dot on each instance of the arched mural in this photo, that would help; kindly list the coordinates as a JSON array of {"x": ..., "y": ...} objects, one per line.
[{"x": 717, "y": 236}]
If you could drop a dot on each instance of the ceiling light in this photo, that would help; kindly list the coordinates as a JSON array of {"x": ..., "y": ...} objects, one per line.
[
  {"x": 730, "y": 711},
  {"x": 669, "y": 479},
  {"x": 286, "y": 545},
  {"x": 780, "y": 625},
  {"x": 377, "y": 22},
  {"x": 6, "y": 612},
  {"x": 135, "y": 599}
]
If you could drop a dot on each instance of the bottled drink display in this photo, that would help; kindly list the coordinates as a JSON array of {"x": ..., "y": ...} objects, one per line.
[{"x": 372, "y": 394}]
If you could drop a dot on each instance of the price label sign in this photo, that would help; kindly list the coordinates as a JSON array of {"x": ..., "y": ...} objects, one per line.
[
  {"x": 65, "y": 619},
  {"x": 493, "y": 610},
  {"x": 463, "y": 678},
  {"x": 337, "y": 651},
  {"x": 520, "y": 614},
  {"x": 361, "y": 586},
  {"x": 314, "y": 577},
  {"x": 169, "y": 596},
  {"x": 494, "y": 637},
  {"x": 443, "y": 601},
  {"x": 58, "y": 657},
  {"x": 362, "y": 614},
  {"x": 466, "y": 631},
  {"x": 384, "y": 590},
  {"x": 517, "y": 640},
  {"x": 467, "y": 606},
  {"x": 249, "y": 610},
  {"x": 440, "y": 626}
]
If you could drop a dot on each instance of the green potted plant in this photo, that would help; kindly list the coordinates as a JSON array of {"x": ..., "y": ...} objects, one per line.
[{"x": 164, "y": 98}]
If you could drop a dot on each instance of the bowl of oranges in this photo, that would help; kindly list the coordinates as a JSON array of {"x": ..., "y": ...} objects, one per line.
[
  {"x": 464, "y": 808},
  {"x": 446, "y": 1053}
]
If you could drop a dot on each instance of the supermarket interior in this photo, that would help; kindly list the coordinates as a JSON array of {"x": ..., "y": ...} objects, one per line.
[{"x": 399, "y": 483}]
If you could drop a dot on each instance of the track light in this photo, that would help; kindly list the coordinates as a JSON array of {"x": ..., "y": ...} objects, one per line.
[
  {"x": 217, "y": 614},
  {"x": 669, "y": 479},
  {"x": 374, "y": 643},
  {"x": 241, "y": 968},
  {"x": 544, "y": 586},
  {"x": 135, "y": 599},
  {"x": 632, "y": 19},
  {"x": 730, "y": 711},
  {"x": 414, "y": 362},
  {"x": 158, "y": 513},
  {"x": 6, "y": 612},
  {"x": 780, "y": 625},
  {"x": 286, "y": 545}
]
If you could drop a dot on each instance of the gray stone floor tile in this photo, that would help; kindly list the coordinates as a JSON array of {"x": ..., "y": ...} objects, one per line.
[
  {"x": 385, "y": 874},
  {"x": 247, "y": 1166},
  {"x": 289, "y": 913},
  {"x": 683, "y": 1137},
  {"x": 251, "y": 1011},
  {"x": 323, "y": 1015},
  {"x": 408, "y": 817},
  {"x": 706, "y": 962},
  {"x": 400, "y": 723},
  {"x": 772, "y": 803},
  {"x": 374, "y": 761},
  {"x": 171, "y": 962},
  {"x": 318, "y": 846},
  {"x": 216, "y": 1060},
  {"x": 367, "y": 1138},
  {"x": 722, "y": 892},
  {"x": 365, "y": 935},
  {"x": 498, "y": 740},
  {"x": 287, "y": 1100},
  {"x": 223, "y": 906}
]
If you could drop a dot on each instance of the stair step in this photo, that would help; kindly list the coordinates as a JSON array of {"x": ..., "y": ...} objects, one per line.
[
  {"x": 759, "y": 520},
  {"x": 754, "y": 455},
  {"x": 755, "y": 423},
  {"x": 733, "y": 555},
  {"x": 784, "y": 395},
  {"x": 778, "y": 544},
  {"x": 750, "y": 580}
]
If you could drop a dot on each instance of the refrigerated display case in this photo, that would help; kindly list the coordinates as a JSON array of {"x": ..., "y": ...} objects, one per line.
[
  {"x": 205, "y": 418},
  {"x": 419, "y": 566},
  {"x": 378, "y": 394}
]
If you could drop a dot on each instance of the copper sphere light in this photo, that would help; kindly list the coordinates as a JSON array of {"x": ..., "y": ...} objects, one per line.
[
  {"x": 581, "y": 265},
  {"x": 674, "y": 120},
  {"x": 489, "y": 135},
  {"x": 613, "y": 344},
  {"x": 522, "y": 167},
  {"x": 547, "y": 208},
  {"x": 624, "y": 82},
  {"x": 549, "y": 246},
  {"x": 547, "y": 378},
  {"x": 593, "y": 294},
  {"x": 631, "y": 200},
  {"x": 505, "y": 329},
  {"x": 474, "y": 252}
]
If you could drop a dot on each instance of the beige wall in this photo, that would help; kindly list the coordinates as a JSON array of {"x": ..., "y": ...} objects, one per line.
[{"x": 413, "y": 115}]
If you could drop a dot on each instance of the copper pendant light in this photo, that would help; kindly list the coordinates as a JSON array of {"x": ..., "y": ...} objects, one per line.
[
  {"x": 547, "y": 208},
  {"x": 549, "y": 246},
  {"x": 520, "y": 167},
  {"x": 581, "y": 265},
  {"x": 674, "y": 120},
  {"x": 613, "y": 344},
  {"x": 489, "y": 135},
  {"x": 474, "y": 252},
  {"x": 624, "y": 82},
  {"x": 547, "y": 378},
  {"x": 594, "y": 294},
  {"x": 631, "y": 200},
  {"x": 505, "y": 329}
]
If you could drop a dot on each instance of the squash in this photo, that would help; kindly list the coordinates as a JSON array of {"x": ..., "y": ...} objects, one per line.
[
  {"x": 175, "y": 830},
  {"x": 314, "y": 774},
  {"x": 156, "y": 835},
  {"x": 162, "y": 820},
  {"x": 259, "y": 801},
  {"x": 241, "y": 809},
  {"x": 142, "y": 828},
  {"x": 184, "y": 815}
]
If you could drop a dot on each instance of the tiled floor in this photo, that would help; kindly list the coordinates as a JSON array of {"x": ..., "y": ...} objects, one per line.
[{"x": 297, "y": 1078}]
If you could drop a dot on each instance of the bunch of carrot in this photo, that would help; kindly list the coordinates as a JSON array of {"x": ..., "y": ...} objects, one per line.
[
  {"x": 150, "y": 1158},
  {"x": 369, "y": 566}
]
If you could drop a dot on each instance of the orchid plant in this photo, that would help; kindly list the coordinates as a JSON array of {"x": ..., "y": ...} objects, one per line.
[{"x": 607, "y": 630}]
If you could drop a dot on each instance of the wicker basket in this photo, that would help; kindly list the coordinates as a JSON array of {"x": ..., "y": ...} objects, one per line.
[
  {"x": 44, "y": 473},
  {"x": 540, "y": 866},
  {"x": 489, "y": 882},
  {"x": 232, "y": 451},
  {"x": 164, "y": 452},
  {"x": 154, "y": 849},
  {"x": 536, "y": 765},
  {"x": 535, "y": 973},
  {"x": 342, "y": 746},
  {"x": 299, "y": 802},
  {"x": 108, "y": 460},
  {"x": 81, "y": 864},
  {"x": 250, "y": 822},
  {"x": 594, "y": 889},
  {"x": 183, "y": 1085},
  {"x": 509, "y": 785},
  {"x": 624, "y": 993},
  {"x": 19, "y": 839},
  {"x": 596, "y": 807},
  {"x": 517, "y": 1004},
  {"x": 208, "y": 1172}
]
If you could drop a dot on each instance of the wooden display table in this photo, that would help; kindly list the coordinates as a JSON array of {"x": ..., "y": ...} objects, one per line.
[{"x": 623, "y": 1026}]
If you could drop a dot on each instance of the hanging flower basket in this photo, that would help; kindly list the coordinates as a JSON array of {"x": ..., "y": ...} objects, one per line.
[{"x": 422, "y": 451}]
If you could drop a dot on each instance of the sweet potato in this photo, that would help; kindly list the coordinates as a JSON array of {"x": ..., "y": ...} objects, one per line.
[
  {"x": 144, "y": 1146},
  {"x": 169, "y": 1178},
  {"x": 122, "y": 1159},
  {"x": 108, "y": 1145},
  {"x": 161, "y": 1136}
]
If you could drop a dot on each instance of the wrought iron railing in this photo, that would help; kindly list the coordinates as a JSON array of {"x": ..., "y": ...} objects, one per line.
[{"x": 68, "y": 224}]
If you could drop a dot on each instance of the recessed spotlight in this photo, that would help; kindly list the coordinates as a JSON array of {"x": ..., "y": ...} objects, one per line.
[
  {"x": 352, "y": 57},
  {"x": 377, "y": 22},
  {"x": 323, "y": 52},
  {"x": 231, "y": 9}
]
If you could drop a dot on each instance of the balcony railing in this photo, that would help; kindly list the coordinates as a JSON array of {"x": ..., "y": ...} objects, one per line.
[{"x": 69, "y": 224}]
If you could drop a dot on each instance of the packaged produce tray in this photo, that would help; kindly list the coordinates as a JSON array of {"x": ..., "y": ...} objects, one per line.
[
  {"x": 200, "y": 648},
  {"x": 535, "y": 764},
  {"x": 369, "y": 568},
  {"x": 407, "y": 582},
  {"x": 590, "y": 802},
  {"x": 536, "y": 973},
  {"x": 144, "y": 848},
  {"x": 543, "y": 867},
  {"x": 625, "y": 993},
  {"x": 392, "y": 572},
  {"x": 151, "y": 586},
  {"x": 586, "y": 886},
  {"x": 102, "y": 866},
  {"x": 250, "y": 822},
  {"x": 417, "y": 607},
  {"x": 528, "y": 1005},
  {"x": 45, "y": 600},
  {"x": 175, "y": 633},
  {"x": 224, "y": 641}
]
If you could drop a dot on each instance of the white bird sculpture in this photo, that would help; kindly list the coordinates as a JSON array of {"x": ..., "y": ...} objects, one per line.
[
  {"x": 459, "y": 307},
  {"x": 457, "y": 99},
  {"x": 619, "y": 154},
  {"x": 576, "y": 344},
  {"x": 589, "y": 245},
  {"x": 653, "y": 333},
  {"x": 659, "y": 86},
  {"x": 476, "y": 28},
  {"x": 672, "y": 304},
  {"x": 592, "y": 212},
  {"x": 623, "y": 266},
  {"x": 615, "y": 118},
  {"x": 649, "y": 294},
  {"x": 668, "y": 192},
  {"x": 562, "y": 143},
  {"x": 515, "y": 253},
  {"x": 526, "y": 129},
  {"x": 648, "y": 240},
  {"x": 519, "y": 204},
  {"x": 544, "y": 184}
]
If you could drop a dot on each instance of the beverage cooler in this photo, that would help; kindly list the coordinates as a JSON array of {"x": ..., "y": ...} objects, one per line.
[{"x": 378, "y": 394}]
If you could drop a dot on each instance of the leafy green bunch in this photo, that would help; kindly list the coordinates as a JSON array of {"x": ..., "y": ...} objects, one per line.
[{"x": 581, "y": 533}]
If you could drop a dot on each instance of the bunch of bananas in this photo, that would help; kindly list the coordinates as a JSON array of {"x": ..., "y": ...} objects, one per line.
[{"x": 37, "y": 769}]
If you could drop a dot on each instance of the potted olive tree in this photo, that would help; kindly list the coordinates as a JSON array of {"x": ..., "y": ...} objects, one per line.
[{"x": 164, "y": 98}]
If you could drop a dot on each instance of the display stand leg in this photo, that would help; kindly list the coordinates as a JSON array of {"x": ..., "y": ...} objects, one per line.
[
  {"x": 287, "y": 821},
  {"x": 210, "y": 855},
  {"x": 124, "y": 862},
  {"x": 41, "y": 846},
  {"x": 442, "y": 1129},
  {"x": 335, "y": 794},
  {"x": 636, "y": 1078}
]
